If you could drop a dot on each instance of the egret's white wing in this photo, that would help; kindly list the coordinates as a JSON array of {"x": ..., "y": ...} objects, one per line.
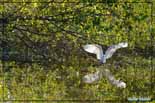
[
  {"x": 95, "y": 49},
  {"x": 112, "y": 49}
]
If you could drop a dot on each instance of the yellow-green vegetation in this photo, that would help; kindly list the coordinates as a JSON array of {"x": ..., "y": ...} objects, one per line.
[{"x": 42, "y": 56}]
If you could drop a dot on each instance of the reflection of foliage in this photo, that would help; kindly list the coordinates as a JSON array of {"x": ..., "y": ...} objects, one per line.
[{"x": 53, "y": 33}]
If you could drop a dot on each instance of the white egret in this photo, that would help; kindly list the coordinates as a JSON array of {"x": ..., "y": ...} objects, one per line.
[{"x": 97, "y": 49}]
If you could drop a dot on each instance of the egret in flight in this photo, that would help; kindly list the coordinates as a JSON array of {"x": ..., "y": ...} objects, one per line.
[{"x": 97, "y": 49}]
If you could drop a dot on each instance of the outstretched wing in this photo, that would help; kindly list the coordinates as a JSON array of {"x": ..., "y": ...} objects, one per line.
[
  {"x": 112, "y": 49},
  {"x": 95, "y": 49}
]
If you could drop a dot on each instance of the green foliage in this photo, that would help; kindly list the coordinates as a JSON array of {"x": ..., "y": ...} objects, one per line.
[{"x": 53, "y": 33}]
